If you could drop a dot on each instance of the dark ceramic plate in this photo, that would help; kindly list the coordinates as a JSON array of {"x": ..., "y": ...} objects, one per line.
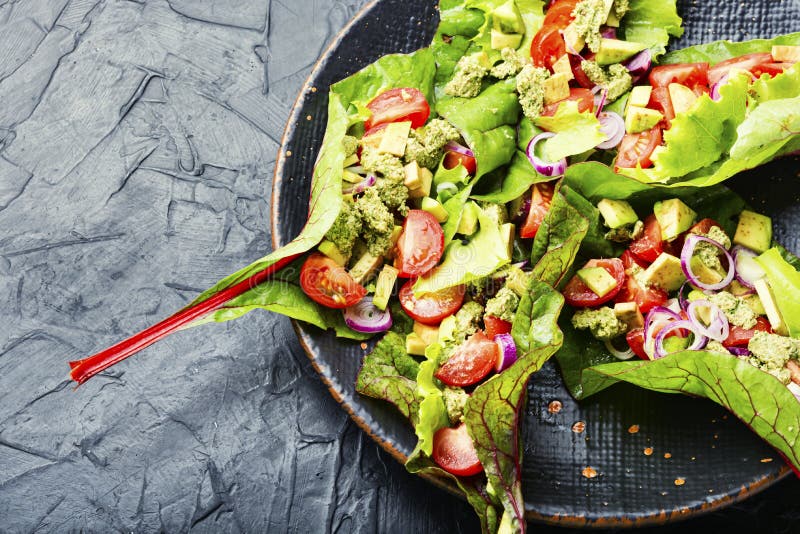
[{"x": 720, "y": 460}]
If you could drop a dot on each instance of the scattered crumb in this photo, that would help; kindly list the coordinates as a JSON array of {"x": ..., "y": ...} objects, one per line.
[
  {"x": 308, "y": 117},
  {"x": 663, "y": 493},
  {"x": 648, "y": 451},
  {"x": 579, "y": 427},
  {"x": 364, "y": 346},
  {"x": 680, "y": 481},
  {"x": 716, "y": 436},
  {"x": 633, "y": 429},
  {"x": 766, "y": 460},
  {"x": 554, "y": 406},
  {"x": 589, "y": 472},
  {"x": 711, "y": 491},
  {"x": 693, "y": 458},
  {"x": 667, "y": 455},
  {"x": 313, "y": 89},
  {"x": 288, "y": 153}
]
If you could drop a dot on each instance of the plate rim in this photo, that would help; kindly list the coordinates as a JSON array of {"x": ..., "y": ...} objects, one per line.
[{"x": 566, "y": 520}]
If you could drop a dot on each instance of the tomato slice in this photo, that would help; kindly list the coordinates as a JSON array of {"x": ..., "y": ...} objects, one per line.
[
  {"x": 398, "y": 105},
  {"x": 649, "y": 245},
  {"x": 745, "y": 62},
  {"x": 772, "y": 69},
  {"x": 541, "y": 197},
  {"x": 635, "y": 340},
  {"x": 704, "y": 226},
  {"x": 470, "y": 363},
  {"x": 740, "y": 337},
  {"x": 688, "y": 74},
  {"x": 577, "y": 71},
  {"x": 420, "y": 246},
  {"x": 327, "y": 283},
  {"x": 559, "y": 13},
  {"x": 645, "y": 297},
  {"x": 578, "y": 295},
  {"x": 431, "y": 308},
  {"x": 454, "y": 452},
  {"x": 453, "y": 159},
  {"x": 547, "y": 47},
  {"x": 496, "y": 326},
  {"x": 661, "y": 101},
  {"x": 629, "y": 260},
  {"x": 584, "y": 98},
  {"x": 636, "y": 149}
]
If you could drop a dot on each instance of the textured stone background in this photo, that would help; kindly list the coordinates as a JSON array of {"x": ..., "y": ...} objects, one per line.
[{"x": 137, "y": 144}]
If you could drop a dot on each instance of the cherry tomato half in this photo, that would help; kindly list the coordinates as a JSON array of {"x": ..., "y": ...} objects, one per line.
[
  {"x": 662, "y": 102},
  {"x": 740, "y": 337},
  {"x": 547, "y": 47},
  {"x": 454, "y": 452},
  {"x": 636, "y": 149},
  {"x": 649, "y": 246},
  {"x": 688, "y": 74},
  {"x": 578, "y": 295},
  {"x": 470, "y": 363},
  {"x": 496, "y": 326},
  {"x": 630, "y": 261},
  {"x": 327, "y": 283},
  {"x": 584, "y": 98},
  {"x": 398, "y": 105},
  {"x": 453, "y": 159},
  {"x": 635, "y": 340},
  {"x": 420, "y": 246},
  {"x": 431, "y": 308},
  {"x": 559, "y": 13},
  {"x": 541, "y": 197},
  {"x": 646, "y": 298}
]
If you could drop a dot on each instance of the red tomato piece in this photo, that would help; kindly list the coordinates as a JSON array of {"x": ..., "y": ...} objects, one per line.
[
  {"x": 649, "y": 245},
  {"x": 704, "y": 226},
  {"x": 327, "y": 283},
  {"x": 745, "y": 62},
  {"x": 470, "y": 363},
  {"x": 398, "y": 105},
  {"x": 645, "y": 297},
  {"x": 662, "y": 102},
  {"x": 453, "y": 159},
  {"x": 584, "y": 98},
  {"x": 577, "y": 71},
  {"x": 578, "y": 295},
  {"x": 547, "y": 47},
  {"x": 431, "y": 308},
  {"x": 771, "y": 69},
  {"x": 541, "y": 197},
  {"x": 636, "y": 149},
  {"x": 559, "y": 13},
  {"x": 688, "y": 74},
  {"x": 420, "y": 246},
  {"x": 496, "y": 326},
  {"x": 635, "y": 340},
  {"x": 454, "y": 452},
  {"x": 629, "y": 260},
  {"x": 740, "y": 337}
]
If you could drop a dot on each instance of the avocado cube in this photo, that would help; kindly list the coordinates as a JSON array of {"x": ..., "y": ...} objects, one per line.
[
  {"x": 502, "y": 40},
  {"x": 563, "y": 66},
  {"x": 395, "y": 137},
  {"x": 665, "y": 272},
  {"x": 598, "y": 280},
  {"x": 365, "y": 267},
  {"x": 682, "y": 97},
  {"x": 617, "y": 213},
  {"x": 754, "y": 301},
  {"x": 396, "y": 232},
  {"x": 612, "y": 20},
  {"x": 754, "y": 231},
  {"x": 351, "y": 177},
  {"x": 428, "y": 334},
  {"x": 616, "y": 51},
  {"x": 771, "y": 307},
  {"x": 786, "y": 54},
  {"x": 413, "y": 176},
  {"x": 573, "y": 38},
  {"x": 333, "y": 252},
  {"x": 507, "y": 18},
  {"x": 374, "y": 140},
  {"x": 384, "y": 286},
  {"x": 421, "y": 177},
  {"x": 674, "y": 217},
  {"x": 640, "y": 96},
  {"x": 415, "y": 345},
  {"x": 468, "y": 224},
  {"x": 507, "y": 235},
  {"x": 641, "y": 119},
  {"x": 349, "y": 162},
  {"x": 703, "y": 272},
  {"x": 448, "y": 327},
  {"x": 628, "y": 313},
  {"x": 556, "y": 88},
  {"x": 433, "y": 207},
  {"x": 518, "y": 281}
]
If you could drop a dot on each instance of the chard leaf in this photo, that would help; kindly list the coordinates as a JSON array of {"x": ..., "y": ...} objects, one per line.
[
  {"x": 652, "y": 24},
  {"x": 520, "y": 177},
  {"x": 492, "y": 413},
  {"x": 771, "y": 125},
  {"x": 575, "y": 132}
]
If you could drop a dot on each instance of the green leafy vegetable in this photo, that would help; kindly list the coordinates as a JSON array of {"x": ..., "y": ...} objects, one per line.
[
  {"x": 718, "y": 51},
  {"x": 518, "y": 179},
  {"x": 576, "y": 132},
  {"x": 784, "y": 280},
  {"x": 652, "y": 24},
  {"x": 769, "y": 127}
]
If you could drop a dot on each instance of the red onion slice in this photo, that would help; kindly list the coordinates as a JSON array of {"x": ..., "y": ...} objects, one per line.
[
  {"x": 360, "y": 187},
  {"x": 639, "y": 65},
  {"x": 613, "y": 127},
  {"x": 619, "y": 354},
  {"x": 452, "y": 146},
  {"x": 747, "y": 269},
  {"x": 718, "y": 330},
  {"x": 795, "y": 389},
  {"x": 608, "y": 32},
  {"x": 507, "y": 353},
  {"x": 686, "y": 263},
  {"x": 545, "y": 168},
  {"x": 698, "y": 343},
  {"x": 739, "y": 351},
  {"x": 364, "y": 317},
  {"x": 714, "y": 92},
  {"x": 600, "y": 98},
  {"x": 656, "y": 319}
]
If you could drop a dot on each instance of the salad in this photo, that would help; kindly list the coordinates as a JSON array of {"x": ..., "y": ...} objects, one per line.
[{"x": 534, "y": 156}]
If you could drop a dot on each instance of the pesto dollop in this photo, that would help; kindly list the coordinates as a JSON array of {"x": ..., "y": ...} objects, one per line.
[
  {"x": 349, "y": 145},
  {"x": 530, "y": 87},
  {"x": 377, "y": 222},
  {"x": 737, "y": 311},
  {"x": 503, "y": 305},
  {"x": 467, "y": 78},
  {"x": 346, "y": 228},
  {"x": 426, "y": 145},
  {"x": 615, "y": 79},
  {"x": 455, "y": 399},
  {"x": 602, "y": 323},
  {"x": 510, "y": 66},
  {"x": 707, "y": 253},
  {"x": 771, "y": 352}
]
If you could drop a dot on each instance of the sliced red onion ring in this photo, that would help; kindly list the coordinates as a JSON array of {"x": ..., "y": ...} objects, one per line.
[
  {"x": 452, "y": 146},
  {"x": 673, "y": 305},
  {"x": 608, "y": 32},
  {"x": 366, "y": 318},
  {"x": 795, "y": 389},
  {"x": 613, "y": 127},
  {"x": 360, "y": 187},
  {"x": 507, "y": 354},
  {"x": 656, "y": 320},
  {"x": 714, "y": 93},
  {"x": 619, "y": 354},
  {"x": 699, "y": 342},
  {"x": 686, "y": 263},
  {"x": 639, "y": 65},
  {"x": 748, "y": 271},
  {"x": 545, "y": 168},
  {"x": 739, "y": 351},
  {"x": 600, "y": 97},
  {"x": 682, "y": 300},
  {"x": 718, "y": 330}
]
